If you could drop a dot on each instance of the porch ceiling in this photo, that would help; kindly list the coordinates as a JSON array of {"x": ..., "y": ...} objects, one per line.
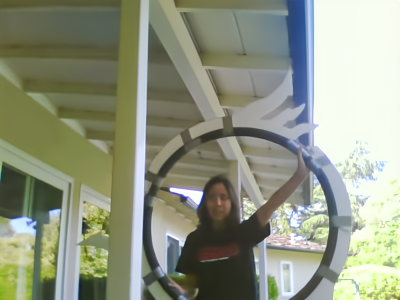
[{"x": 65, "y": 54}]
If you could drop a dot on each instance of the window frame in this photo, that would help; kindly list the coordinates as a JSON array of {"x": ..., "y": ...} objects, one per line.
[
  {"x": 166, "y": 248},
  {"x": 34, "y": 167},
  {"x": 291, "y": 293},
  {"x": 92, "y": 197}
]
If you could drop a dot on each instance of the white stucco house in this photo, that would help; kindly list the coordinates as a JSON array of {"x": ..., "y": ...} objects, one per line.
[{"x": 92, "y": 90}]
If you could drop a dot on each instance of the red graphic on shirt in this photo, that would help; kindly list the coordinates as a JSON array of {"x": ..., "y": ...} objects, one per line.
[{"x": 218, "y": 252}]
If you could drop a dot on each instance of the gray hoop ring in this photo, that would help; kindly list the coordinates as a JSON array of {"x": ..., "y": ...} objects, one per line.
[{"x": 315, "y": 165}]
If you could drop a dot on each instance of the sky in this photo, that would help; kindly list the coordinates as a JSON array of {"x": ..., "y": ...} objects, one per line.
[{"x": 356, "y": 92}]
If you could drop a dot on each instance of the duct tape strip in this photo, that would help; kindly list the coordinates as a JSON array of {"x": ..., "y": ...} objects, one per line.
[
  {"x": 153, "y": 276},
  {"x": 228, "y": 126},
  {"x": 154, "y": 178},
  {"x": 328, "y": 273},
  {"x": 321, "y": 161},
  {"x": 340, "y": 221},
  {"x": 186, "y": 136}
]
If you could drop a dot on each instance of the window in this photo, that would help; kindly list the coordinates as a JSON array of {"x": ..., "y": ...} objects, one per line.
[
  {"x": 287, "y": 278},
  {"x": 173, "y": 252},
  {"x": 257, "y": 266},
  {"x": 95, "y": 213},
  {"x": 33, "y": 203}
]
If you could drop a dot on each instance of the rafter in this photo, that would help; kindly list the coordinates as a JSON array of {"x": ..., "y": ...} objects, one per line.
[
  {"x": 256, "y": 6},
  {"x": 234, "y": 101},
  {"x": 244, "y": 62},
  {"x": 282, "y": 154},
  {"x": 172, "y": 32},
  {"x": 190, "y": 173},
  {"x": 95, "y": 53},
  {"x": 49, "y": 87},
  {"x": 76, "y": 114},
  {"x": 160, "y": 143}
]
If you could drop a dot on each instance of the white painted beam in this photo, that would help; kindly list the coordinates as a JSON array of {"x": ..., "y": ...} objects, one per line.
[
  {"x": 76, "y": 114},
  {"x": 244, "y": 62},
  {"x": 30, "y": 4},
  {"x": 256, "y": 6},
  {"x": 124, "y": 279},
  {"x": 173, "y": 34}
]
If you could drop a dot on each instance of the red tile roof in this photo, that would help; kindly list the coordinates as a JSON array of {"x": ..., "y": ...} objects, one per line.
[{"x": 280, "y": 241}]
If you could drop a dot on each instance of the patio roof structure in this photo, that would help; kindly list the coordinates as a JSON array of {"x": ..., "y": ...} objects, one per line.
[{"x": 206, "y": 59}]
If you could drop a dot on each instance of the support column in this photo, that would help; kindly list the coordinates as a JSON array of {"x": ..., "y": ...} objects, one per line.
[
  {"x": 262, "y": 267},
  {"x": 234, "y": 177},
  {"x": 126, "y": 219}
]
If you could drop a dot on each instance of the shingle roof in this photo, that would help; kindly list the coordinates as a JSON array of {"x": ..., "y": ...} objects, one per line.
[{"x": 287, "y": 243}]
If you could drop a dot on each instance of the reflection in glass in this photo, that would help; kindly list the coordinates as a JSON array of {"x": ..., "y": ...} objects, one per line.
[
  {"x": 30, "y": 212},
  {"x": 93, "y": 261}
]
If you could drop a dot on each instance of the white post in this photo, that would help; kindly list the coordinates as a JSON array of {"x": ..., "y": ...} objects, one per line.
[
  {"x": 126, "y": 219},
  {"x": 262, "y": 266},
  {"x": 234, "y": 177}
]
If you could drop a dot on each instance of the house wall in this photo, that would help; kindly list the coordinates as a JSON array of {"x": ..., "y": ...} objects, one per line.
[
  {"x": 304, "y": 266},
  {"x": 166, "y": 221}
]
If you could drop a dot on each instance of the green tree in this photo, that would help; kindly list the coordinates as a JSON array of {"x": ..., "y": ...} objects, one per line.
[
  {"x": 94, "y": 260},
  {"x": 358, "y": 168},
  {"x": 375, "y": 260}
]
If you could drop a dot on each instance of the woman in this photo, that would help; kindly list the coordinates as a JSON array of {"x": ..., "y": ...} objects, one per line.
[{"x": 217, "y": 258}]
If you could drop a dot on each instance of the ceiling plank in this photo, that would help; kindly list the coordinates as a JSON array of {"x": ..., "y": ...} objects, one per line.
[
  {"x": 234, "y": 101},
  {"x": 257, "y": 6},
  {"x": 160, "y": 143},
  {"x": 76, "y": 114},
  {"x": 244, "y": 62},
  {"x": 282, "y": 154},
  {"x": 60, "y": 52},
  {"x": 191, "y": 173},
  {"x": 173, "y": 34},
  {"x": 26, "y": 4}
]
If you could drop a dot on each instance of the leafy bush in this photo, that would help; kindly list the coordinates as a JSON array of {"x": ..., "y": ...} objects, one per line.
[{"x": 375, "y": 282}]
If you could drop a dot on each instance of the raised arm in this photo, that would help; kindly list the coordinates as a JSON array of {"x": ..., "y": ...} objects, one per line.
[{"x": 264, "y": 213}]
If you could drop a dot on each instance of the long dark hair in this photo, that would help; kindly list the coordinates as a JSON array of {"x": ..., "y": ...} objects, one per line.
[{"x": 202, "y": 212}]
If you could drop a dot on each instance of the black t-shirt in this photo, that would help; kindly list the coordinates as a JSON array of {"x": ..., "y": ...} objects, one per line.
[{"x": 223, "y": 262}]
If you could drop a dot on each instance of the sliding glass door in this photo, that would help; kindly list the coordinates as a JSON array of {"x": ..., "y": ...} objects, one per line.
[{"x": 32, "y": 231}]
